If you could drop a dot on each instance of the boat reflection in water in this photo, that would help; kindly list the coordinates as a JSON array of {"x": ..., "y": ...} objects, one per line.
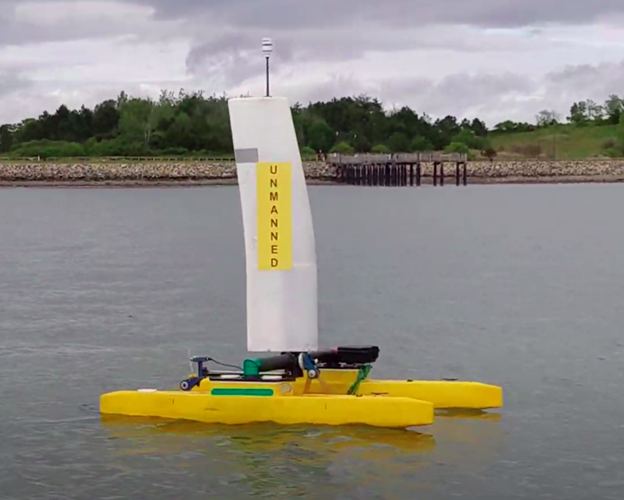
[{"x": 287, "y": 461}]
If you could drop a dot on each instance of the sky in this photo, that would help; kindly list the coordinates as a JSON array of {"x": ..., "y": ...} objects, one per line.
[{"x": 492, "y": 59}]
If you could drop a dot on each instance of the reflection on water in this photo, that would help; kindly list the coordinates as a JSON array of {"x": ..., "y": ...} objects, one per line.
[
  {"x": 468, "y": 440},
  {"x": 265, "y": 438},
  {"x": 285, "y": 461}
]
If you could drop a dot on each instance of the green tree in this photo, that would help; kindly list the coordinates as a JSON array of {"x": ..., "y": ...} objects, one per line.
[
  {"x": 321, "y": 136},
  {"x": 546, "y": 118},
  {"x": 6, "y": 138},
  {"x": 456, "y": 147},
  {"x": 105, "y": 120},
  {"x": 613, "y": 107},
  {"x": 343, "y": 148},
  {"x": 195, "y": 124},
  {"x": 478, "y": 127},
  {"x": 398, "y": 142},
  {"x": 421, "y": 144},
  {"x": 467, "y": 137},
  {"x": 380, "y": 149},
  {"x": 578, "y": 113},
  {"x": 361, "y": 144}
]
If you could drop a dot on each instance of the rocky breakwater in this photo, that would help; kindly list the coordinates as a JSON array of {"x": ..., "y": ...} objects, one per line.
[
  {"x": 590, "y": 170},
  {"x": 134, "y": 173},
  {"x": 159, "y": 172}
]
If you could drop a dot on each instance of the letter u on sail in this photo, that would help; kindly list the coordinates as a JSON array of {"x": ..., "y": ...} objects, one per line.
[{"x": 280, "y": 249}]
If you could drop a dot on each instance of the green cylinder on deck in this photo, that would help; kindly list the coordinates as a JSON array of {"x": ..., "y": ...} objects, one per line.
[{"x": 251, "y": 367}]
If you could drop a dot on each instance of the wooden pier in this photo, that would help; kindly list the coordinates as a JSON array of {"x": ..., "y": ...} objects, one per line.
[{"x": 399, "y": 169}]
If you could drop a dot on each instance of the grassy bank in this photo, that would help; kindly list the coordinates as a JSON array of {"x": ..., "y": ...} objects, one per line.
[
  {"x": 127, "y": 159},
  {"x": 559, "y": 142}
]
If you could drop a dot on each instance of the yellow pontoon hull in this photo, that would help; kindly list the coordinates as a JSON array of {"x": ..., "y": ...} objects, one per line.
[
  {"x": 443, "y": 394},
  {"x": 322, "y": 401},
  {"x": 227, "y": 403}
]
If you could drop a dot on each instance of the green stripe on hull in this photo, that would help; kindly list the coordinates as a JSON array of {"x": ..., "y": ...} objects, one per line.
[{"x": 241, "y": 392}]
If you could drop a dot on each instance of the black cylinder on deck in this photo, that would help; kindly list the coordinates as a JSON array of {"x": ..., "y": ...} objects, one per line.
[{"x": 286, "y": 361}]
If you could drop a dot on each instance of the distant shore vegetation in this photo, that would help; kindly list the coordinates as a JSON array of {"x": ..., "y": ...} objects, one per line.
[{"x": 192, "y": 125}]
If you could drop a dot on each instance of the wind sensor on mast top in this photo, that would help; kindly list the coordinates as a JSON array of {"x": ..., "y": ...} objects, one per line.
[{"x": 267, "y": 48}]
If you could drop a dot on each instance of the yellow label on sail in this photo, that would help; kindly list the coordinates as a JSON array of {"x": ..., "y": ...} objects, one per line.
[{"x": 274, "y": 212}]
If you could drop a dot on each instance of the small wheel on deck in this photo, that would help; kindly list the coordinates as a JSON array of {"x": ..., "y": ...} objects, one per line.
[{"x": 185, "y": 385}]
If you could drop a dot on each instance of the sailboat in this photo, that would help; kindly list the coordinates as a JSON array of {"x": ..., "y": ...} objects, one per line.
[{"x": 298, "y": 382}]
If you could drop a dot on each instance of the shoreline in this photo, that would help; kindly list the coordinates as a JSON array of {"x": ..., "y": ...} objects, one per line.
[
  {"x": 196, "y": 174},
  {"x": 232, "y": 181},
  {"x": 550, "y": 179},
  {"x": 134, "y": 183}
]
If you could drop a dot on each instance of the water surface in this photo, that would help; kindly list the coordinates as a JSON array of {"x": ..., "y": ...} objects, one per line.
[{"x": 515, "y": 285}]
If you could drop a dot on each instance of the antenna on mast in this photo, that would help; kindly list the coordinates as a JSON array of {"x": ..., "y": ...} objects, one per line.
[{"x": 267, "y": 48}]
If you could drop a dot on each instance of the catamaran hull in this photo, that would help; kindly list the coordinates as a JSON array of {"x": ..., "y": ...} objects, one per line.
[
  {"x": 443, "y": 394},
  {"x": 264, "y": 403},
  {"x": 379, "y": 403}
]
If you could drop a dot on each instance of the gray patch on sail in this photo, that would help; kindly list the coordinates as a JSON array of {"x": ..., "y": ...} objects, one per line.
[{"x": 246, "y": 155}]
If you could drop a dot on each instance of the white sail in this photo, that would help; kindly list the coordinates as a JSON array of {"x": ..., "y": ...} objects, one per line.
[{"x": 280, "y": 249}]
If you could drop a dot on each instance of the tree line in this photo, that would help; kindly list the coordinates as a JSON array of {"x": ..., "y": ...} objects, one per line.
[
  {"x": 582, "y": 113},
  {"x": 192, "y": 124}
]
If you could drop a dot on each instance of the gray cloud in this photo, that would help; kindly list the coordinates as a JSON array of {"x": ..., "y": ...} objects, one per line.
[
  {"x": 40, "y": 21},
  {"x": 493, "y": 97},
  {"x": 12, "y": 82},
  {"x": 228, "y": 59},
  {"x": 580, "y": 82},
  {"x": 325, "y": 18},
  {"x": 28, "y": 99},
  {"x": 603, "y": 77},
  {"x": 461, "y": 95},
  {"x": 225, "y": 35},
  {"x": 224, "y": 54},
  {"x": 235, "y": 55},
  {"x": 280, "y": 14}
]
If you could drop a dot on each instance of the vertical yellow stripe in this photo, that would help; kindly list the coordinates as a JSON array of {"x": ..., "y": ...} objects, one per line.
[{"x": 274, "y": 212}]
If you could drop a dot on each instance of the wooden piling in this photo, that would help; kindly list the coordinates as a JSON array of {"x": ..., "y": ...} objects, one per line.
[
  {"x": 465, "y": 165},
  {"x": 418, "y": 173}
]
